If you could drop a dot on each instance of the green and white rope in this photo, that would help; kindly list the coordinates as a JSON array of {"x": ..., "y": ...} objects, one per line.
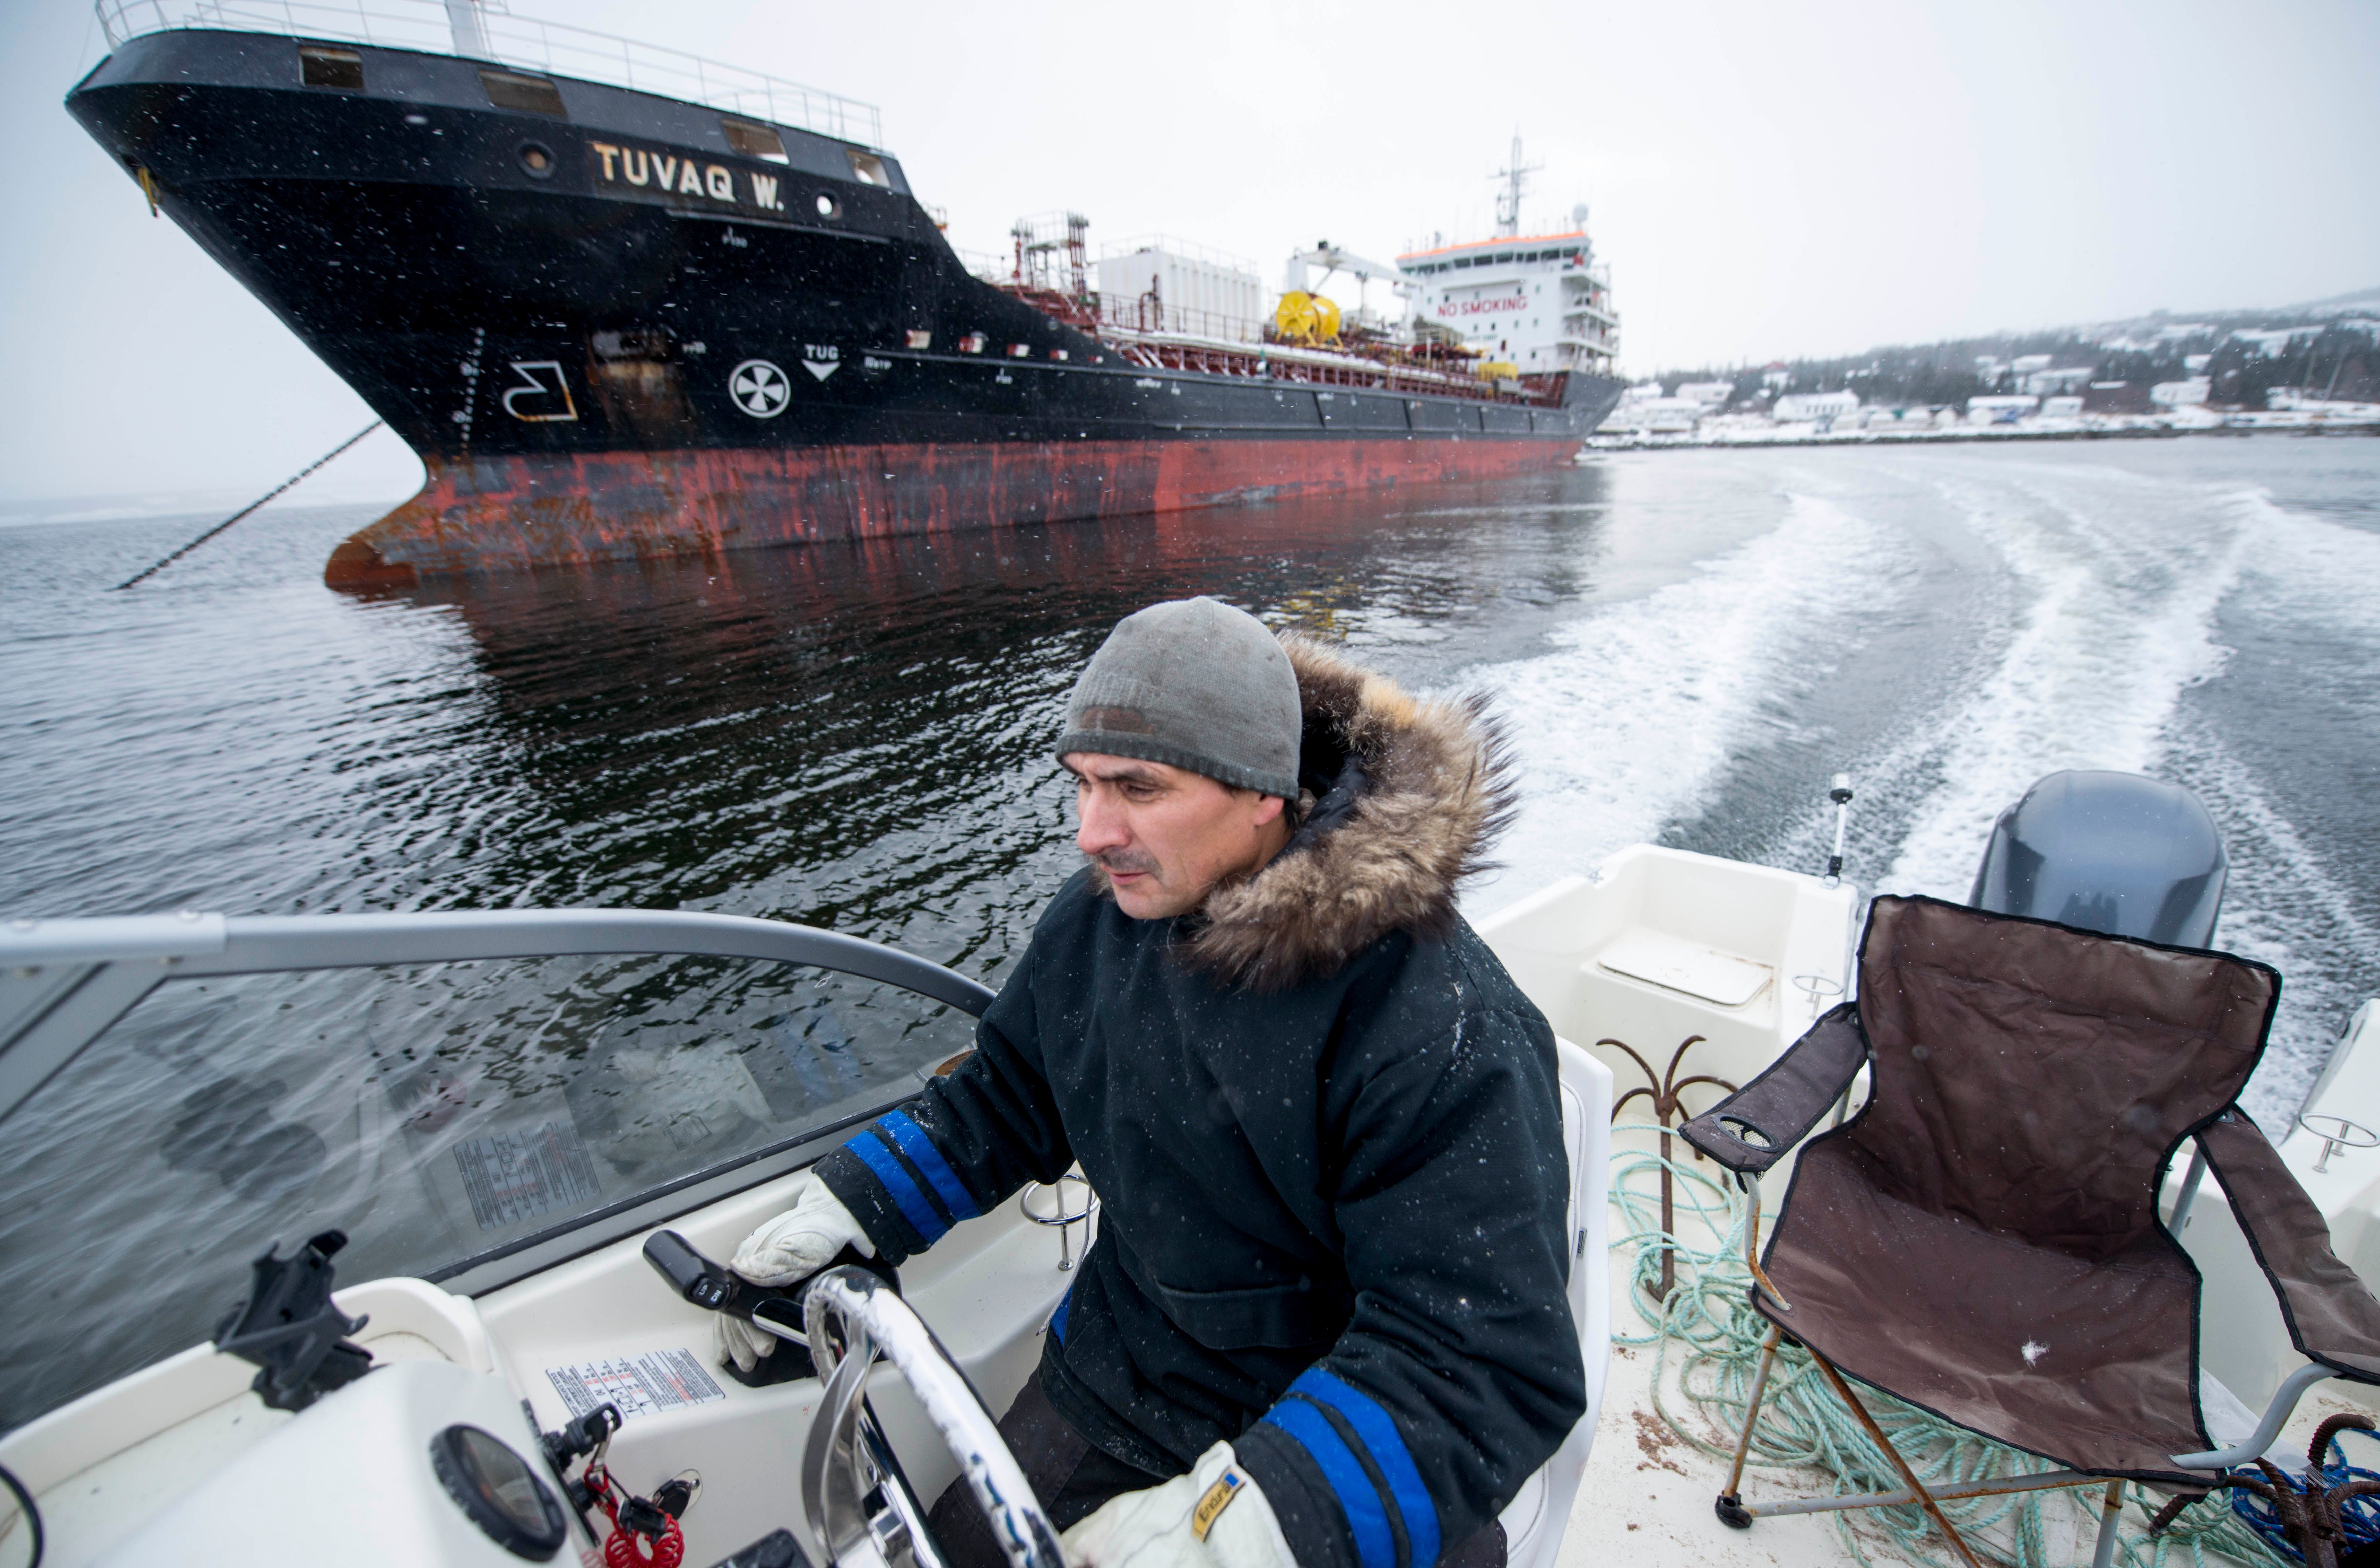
[{"x": 1709, "y": 1328}]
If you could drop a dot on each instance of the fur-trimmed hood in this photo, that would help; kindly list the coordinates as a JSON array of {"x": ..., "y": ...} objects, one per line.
[{"x": 1400, "y": 800}]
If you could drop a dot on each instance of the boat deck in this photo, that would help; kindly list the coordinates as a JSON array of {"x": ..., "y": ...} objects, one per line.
[{"x": 1648, "y": 1489}]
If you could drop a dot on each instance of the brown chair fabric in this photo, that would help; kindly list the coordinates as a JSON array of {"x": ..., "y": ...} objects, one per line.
[
  {"x": 1982, "y": 1240},
  {"x": 1785, "y": 1102},
  {"x": 2332, "y": 1318}
]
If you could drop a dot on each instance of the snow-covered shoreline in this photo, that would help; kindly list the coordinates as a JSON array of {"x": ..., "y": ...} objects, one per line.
[{"x": 1749, "y": 429}]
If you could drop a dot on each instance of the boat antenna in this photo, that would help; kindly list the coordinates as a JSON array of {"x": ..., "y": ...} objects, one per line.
[{"x": 1841, "y": 796}]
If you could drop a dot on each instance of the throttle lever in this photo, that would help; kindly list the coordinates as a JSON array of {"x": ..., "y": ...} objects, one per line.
[
  {"x": 717, "y": 1288},
  {"x": 777, "y": 1309}
]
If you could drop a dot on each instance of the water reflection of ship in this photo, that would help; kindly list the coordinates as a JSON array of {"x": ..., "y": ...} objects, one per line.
[
  {"x": 852, "y": 735},
  {"x": 617, "y": 323}
]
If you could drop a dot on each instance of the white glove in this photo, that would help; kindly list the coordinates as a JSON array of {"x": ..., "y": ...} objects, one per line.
[
  {"x": 731, "y": 1339},
  {"x": 793, "y": 1246},
  {"x": 1213, "y": 1517}
]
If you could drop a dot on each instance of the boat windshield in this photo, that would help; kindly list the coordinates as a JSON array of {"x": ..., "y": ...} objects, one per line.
[{"x": 465, "y": 1122}]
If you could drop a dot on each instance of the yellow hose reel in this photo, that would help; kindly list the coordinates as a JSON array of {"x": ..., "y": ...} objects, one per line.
[{"x": 1306, "y": 318}]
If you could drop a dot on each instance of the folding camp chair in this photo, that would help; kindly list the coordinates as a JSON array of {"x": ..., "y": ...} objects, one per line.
[{"x": 1982, "y": 1240}]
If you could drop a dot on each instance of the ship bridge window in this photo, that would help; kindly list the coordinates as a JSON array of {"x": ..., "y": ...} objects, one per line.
[
  {"x": 331, "y": 67},
  {"x": 755, "y": 141},
  {"x": 1462, "y": 261},
  {"x": 529, "y": 94},
  {"x": 869, "y": 169}
]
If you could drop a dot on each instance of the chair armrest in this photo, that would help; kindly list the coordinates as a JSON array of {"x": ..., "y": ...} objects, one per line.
[
  {"x": 2332, "y": 1318},
  {"x": 1780, "y": 1107}
]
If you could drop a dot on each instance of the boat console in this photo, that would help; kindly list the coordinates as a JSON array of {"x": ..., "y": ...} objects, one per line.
[{"x": 551, "y": 1122}]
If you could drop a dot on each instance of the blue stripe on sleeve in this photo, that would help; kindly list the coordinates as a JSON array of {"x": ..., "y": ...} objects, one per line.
[
  {"x": 1058, "y": 1319},
  {"x": 1389, "y": 1451},
  {"x": 1366, "y": 1520},
  {"x": 905, "y": 1195},
  {"x": 927, "y": 1157}
]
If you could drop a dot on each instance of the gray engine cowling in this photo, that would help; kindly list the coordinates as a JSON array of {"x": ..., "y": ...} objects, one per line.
[{"x": 2107, "y": 852}]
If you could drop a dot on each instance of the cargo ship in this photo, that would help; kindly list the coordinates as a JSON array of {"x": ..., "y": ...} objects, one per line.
[{"x": 623, "y": 302}]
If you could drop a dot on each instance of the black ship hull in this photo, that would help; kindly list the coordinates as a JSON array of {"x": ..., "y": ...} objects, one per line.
[{"x": 608, "y": 333}]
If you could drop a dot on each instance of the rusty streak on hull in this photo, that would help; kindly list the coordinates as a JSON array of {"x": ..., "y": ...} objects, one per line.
[{"x": 515, "y": 513}]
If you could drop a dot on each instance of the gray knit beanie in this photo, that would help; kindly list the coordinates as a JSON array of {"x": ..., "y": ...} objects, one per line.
[{"x": 1194, "y": 684}]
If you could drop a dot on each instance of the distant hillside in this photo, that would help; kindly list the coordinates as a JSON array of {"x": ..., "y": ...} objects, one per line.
[{"x": 2326, "y": 348}]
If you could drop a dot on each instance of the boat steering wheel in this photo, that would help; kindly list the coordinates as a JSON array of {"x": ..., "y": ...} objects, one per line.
[{"x": 862, "y": 1510}]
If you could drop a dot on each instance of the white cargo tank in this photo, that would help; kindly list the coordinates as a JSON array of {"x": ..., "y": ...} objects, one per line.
[{"x": 1171, "y": 285}]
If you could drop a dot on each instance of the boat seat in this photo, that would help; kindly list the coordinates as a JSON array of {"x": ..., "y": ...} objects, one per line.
[{"x": 1674, "y": 964}]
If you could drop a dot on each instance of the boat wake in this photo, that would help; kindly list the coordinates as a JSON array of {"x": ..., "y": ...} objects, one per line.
[
  {"x": 2117, "y": 619},
  {"x": 1633, "y": 722},
  {"x": 2082, "y": 617}
]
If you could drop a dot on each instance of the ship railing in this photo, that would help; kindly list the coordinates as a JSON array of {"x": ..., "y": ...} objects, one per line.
[
  {"x": 478, "y": 29},
  {"x": 1141, "y": 313},
  {"x": 987, "y": 266},
  {"x": 1313, "y": 367}
]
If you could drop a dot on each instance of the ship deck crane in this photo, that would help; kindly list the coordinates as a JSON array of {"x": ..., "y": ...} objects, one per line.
[{"x": 1332, "y": 260}]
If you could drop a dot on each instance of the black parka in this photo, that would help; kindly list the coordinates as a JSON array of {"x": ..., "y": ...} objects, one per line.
[{"x": 1330, "y": 1166}]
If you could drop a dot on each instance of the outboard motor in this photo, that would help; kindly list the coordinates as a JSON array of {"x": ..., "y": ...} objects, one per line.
[{"x": 2107, "y": 852}]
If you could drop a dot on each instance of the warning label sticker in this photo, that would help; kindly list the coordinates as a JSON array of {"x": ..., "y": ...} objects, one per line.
[
  {"x": 515, "y": 1176},
  {"x": 662, "y": 1380}
]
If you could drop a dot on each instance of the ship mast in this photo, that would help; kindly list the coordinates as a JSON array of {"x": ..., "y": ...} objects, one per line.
[{"x": 1508, "y": 200}]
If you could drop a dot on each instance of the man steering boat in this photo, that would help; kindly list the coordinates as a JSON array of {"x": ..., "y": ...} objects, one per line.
[{"x": 1324, "y": 1322}]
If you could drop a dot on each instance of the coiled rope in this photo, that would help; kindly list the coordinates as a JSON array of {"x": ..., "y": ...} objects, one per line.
[{"x": 1708, "y": 1329}]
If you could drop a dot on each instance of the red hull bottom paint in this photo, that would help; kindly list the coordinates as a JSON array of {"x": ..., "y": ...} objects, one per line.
[{"x": 507, "y": 514}]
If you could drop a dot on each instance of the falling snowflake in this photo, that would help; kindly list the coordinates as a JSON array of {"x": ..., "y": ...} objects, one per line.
[{"x": 2033, "y": 1351}]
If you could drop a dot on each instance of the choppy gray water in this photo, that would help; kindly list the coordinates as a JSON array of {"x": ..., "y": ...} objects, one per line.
[{"x": 1687, "y": 645}]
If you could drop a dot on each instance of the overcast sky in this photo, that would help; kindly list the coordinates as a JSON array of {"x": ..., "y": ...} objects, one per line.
[{"x": 1766, "y": 179}]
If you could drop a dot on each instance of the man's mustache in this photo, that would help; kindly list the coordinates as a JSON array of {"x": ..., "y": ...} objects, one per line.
[{"x": 1126, "y": 861}]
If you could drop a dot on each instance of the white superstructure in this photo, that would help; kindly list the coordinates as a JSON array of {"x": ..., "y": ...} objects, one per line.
[{"x": 1540, "y": 303}]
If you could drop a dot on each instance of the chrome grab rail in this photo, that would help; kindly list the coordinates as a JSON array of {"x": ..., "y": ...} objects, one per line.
[
  {"x": 557, "y": 48},
  {"x": 854, "y": 1317}
]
